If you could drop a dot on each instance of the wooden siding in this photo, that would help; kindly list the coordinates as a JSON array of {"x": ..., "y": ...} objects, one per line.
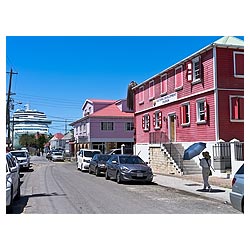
[
  {"x": 228, "y": 130},
  {"x": 225, "y": 69}
]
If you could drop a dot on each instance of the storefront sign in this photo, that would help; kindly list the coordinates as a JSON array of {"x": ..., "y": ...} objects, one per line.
[{"x": 165, "y": 99}]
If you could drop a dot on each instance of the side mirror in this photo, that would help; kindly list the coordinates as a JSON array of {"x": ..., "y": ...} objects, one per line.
[{"x": 13, "y": 170}]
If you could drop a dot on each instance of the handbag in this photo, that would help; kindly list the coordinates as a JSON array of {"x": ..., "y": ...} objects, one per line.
[{"x": 210, "y": 172}]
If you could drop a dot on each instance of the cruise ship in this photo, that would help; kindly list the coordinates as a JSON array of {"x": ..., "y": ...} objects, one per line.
[{"x": 29, "y": 122}]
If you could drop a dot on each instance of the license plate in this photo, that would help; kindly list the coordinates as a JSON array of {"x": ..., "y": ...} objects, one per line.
[{"x": 139, "y": 174}]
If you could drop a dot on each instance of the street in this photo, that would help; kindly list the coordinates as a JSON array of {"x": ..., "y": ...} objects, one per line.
[{"x": 59, "y": 188}]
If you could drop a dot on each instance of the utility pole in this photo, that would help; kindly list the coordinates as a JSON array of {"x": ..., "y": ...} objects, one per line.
[
  {"x": 8, "y": 108},
  {"x": 65, "y": 126}
]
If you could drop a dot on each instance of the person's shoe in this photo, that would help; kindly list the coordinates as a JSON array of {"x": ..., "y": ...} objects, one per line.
[{"x": 209, "y": 189}]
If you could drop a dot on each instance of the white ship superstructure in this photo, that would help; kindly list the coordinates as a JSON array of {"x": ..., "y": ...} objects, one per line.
[{"x": 29, "y": 122}]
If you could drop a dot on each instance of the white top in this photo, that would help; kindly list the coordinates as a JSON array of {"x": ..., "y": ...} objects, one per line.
[{"x": 203, "y": 163}]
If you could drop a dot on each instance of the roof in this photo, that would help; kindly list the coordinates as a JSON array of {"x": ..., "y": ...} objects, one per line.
[
  {"x": 226, "y": 41},
  {"x": 111, "y": 111},
  {"x": 92, "y": 101},
  {"x": 57, "y": 136},
  {"x": 229, "y": 41}
]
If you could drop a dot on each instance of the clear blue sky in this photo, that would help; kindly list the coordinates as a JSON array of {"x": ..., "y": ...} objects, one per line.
[{"x": 57, "y": 74}]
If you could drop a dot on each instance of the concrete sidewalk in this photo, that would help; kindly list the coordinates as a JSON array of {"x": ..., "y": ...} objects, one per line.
[{"x": 194, "y": 184}]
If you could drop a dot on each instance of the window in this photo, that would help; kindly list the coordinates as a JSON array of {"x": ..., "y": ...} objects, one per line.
[
  {"x": 194, "y": 70},
  {"x": 141, "y": 95},
  {"x": 129, "y": 126},
  {"x": 146, "y": 122},
  {"x": 164, "y": 86},
  {"x": 178, "y": 78},
  {"x": 107, "y": 126},
  {"x": 185, "y": 114},
  {"x": 236, "y": 108},
  {"x": 151, "y": 90},
  {"x": 157, "y": 121},
  {"x": 202, "y": 110},
  {"x": 238, "y": 64}
]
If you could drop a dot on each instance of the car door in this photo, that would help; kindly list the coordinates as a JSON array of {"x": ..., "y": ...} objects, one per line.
[
  {"x": 113, "y": 165},
  {"x": 14, "y": 174}
]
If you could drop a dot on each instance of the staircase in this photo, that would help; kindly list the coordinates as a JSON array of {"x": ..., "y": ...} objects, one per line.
[{"x": 176, "y": 152}]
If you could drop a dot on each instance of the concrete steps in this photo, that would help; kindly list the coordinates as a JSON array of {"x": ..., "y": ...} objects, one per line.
[{"x": 176, "y": 151}]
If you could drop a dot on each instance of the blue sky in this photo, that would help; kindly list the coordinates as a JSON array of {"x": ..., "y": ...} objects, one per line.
[{"x": 57, "y": 74}]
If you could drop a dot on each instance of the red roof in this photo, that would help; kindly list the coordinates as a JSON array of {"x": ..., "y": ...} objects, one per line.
[
  {"x": 58, "y": 136},
  {"x": 111, "y": 111}
]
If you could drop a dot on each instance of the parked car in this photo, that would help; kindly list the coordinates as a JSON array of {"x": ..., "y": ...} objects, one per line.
[
  {"x": 84, "y": 157},
  {"x": 118, "y": 151},
  {"x": 128, "y": 168},
  {"x": 98, "y": 164},
  {"x": 237, "y": 193},
  {"x": 57, "y": 156},
  {"x": 49, "y": 155},
  {"x": 22, "y": 157},
  {"x": 12, "y": 182},
  {"x": 14, "y": 161}
]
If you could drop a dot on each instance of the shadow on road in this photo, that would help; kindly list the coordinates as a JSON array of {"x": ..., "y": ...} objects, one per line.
[{"x": 19, "y": 205}]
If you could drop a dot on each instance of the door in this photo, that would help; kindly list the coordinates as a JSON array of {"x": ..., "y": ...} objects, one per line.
[{"x": 172, "y": 127}]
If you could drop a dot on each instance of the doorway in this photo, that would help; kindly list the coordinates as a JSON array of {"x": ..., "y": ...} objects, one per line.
[{"x": 172, "y": 127}]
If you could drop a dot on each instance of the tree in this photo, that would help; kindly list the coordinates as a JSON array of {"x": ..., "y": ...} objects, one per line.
[{"x": 27, "y": 140}]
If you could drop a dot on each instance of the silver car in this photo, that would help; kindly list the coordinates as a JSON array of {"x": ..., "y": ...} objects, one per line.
[
  {"x": 57, "y": 156},
  {"x": 128, "y": 168},
  {"x": 237, "y": 193}
]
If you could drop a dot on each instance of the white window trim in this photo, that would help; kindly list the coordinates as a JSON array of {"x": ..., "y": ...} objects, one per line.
[
  {"x": 164, "y": 75},
  {"x": 129, "y": 130},
  {"x": 151, "y": 87},
  {"x": 198, "y": 121},
  {"x": 180, "y": 87},
  {"x": 235, "y": 75},
  {"x": 157, "y": 120},
  {"x": 188, "y": 123},
  {"x": 230, "y": 108},
  {"x": 146, "y": 122},
  {"x": 141, "y": 93},
  {"x": 196, "y": 59}
]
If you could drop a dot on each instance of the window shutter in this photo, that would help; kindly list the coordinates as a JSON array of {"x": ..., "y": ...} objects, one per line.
[
  {"x": 241, "y": 108},
  {"x": 154, "y": 120},
  {"x": 189, "y": 66},
  {"x": 235, "y": 108},
  {"x": 160, "y": 119},
  {"x": 143, "y": 122},
  {"x": 181, "y": 112}
]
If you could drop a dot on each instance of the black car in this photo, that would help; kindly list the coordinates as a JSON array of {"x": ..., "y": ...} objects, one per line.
[
  {"x": 98, "y": 164},
  {"x": 128, "y": 168}
]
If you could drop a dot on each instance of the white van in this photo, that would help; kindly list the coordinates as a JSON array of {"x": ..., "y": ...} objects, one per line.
[{"x": 84, "y": 157}]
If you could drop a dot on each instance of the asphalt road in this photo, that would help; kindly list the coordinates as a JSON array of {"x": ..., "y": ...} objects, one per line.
[{"x": 59, "y": 188}]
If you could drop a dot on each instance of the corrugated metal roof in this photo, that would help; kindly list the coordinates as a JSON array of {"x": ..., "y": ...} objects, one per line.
[{"x": 229, "y": 40}]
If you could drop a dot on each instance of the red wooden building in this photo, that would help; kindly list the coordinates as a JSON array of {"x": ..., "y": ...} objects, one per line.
[{"x": 200, "y": 98}]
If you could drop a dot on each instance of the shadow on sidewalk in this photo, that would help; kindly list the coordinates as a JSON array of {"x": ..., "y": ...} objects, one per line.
[{"x": 214, "y": 190}]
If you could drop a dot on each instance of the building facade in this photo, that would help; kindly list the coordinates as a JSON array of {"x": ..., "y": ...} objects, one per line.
[
  {"x": 105, "y": 125},
  {"x": 200, "y": 98}
]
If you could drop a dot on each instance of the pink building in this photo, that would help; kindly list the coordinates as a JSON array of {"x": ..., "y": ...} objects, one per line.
[
  {"x": 200, "y": 98},
  {"x": 106, "y": 124}
]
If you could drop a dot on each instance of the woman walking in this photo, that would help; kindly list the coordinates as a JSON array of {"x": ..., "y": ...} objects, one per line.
[{"x": 205, "y": 163}]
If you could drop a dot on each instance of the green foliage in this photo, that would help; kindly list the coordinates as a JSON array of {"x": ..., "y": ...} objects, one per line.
[{"x": 32, "y": 140}]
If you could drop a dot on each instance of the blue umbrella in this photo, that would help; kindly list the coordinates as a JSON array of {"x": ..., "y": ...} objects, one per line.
[{"x": 194, "y": 150}]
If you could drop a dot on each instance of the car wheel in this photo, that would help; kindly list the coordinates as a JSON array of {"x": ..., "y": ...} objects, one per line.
[
  {"x": 118, "y": 178},
  {"x": 9, "y": 208},
  {"x": 242, "y": 205},
  {"x": 107, "y": 175},
  {"x": 97, "y": 171},
  {"x": 90, "y": 171}
]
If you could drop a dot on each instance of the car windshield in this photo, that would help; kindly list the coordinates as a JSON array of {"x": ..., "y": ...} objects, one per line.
[
  {"x": 241, "y": 170},
  {"x": 131, "y": 160},
  {"x": 104, "y": 157},
  {"x": 90, "y": 153},
  {"x": 57, "y": 153},
  {"x": 19, "y": 154}
]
